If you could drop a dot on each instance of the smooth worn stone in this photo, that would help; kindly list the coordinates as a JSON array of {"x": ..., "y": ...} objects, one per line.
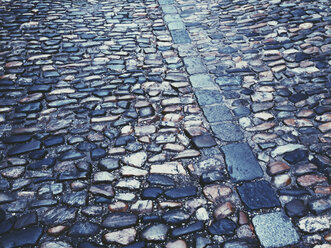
[
  {"x": 202, "y": 81},
  {"x": 20, "y": 238},
  {"x": 44, "y": 163},
  {"x": 213, "y": 176},
  {"x": 180, "y": 37},
  {"x": 178, "y": 193},
  {"x": 151, "y": 193},
  {"x": 86, "y": 146},
  {"x": 194, "y": 65},
  {"x": 222, "y": 227},
  {"x": 296, "y": 156},
  {"x": 122, "y": 237},
  {"x": 314, "y": 224},
  {"x": 6, "y": 197},
  {"x": 119, "y": 220},
  {"x": 13, "y": 172},
  {"x": 216, "y": 192},
  {"x": 207, "y": 97},
  {"x": 310, "y": 180},
  {"x": 55, "y": 216},
  {"x": 280, "y": 150},
  {"x": 175, "y": 217},
  {"x": 109, "y": 164},
  {"x": 190, "y": 153},
  {"x": 97, "y": 154},
  {"x": 296, "y": 208},
  {"x": 136, "y": 159},
  {"x": 275, "y": 230},
  {"x": 84, "y": 229},
  {"x": 241, "y": 163},
  {"x": 320, "y": 205},
  {"x": 157, "y": 232},
  {"x": 29, "y": 108},
  {"x": 71, "y": 155},
  {"x": 227, "y": 132},
  {"x": 26, "y": 220},
  {"x": 75, "y": 199},
  {"x": 224, "y": 210},
  {"x": 24, "y": 148},
  {"x": 277, "y": 167},
  {"x": 176, "y": 244},
  {"x": 217, "y": 113},
  {"x": 195, "y": 227},
  {"x": 56, "y": 244},
  {"x": 257, "y": 195},
  {"x": 162, "y": 180},
  {"x": 54, "y": 141},
  {"x": 241, "y": 243}
]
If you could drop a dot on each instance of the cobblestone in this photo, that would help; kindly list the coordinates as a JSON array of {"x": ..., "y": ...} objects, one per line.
[{"x": 165, "y": 123}]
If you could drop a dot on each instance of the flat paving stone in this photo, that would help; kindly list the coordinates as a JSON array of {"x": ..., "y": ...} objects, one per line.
[
  {"x": 24, "y": 148},
  {"x": 207, "y": 97},
  {"x": 217, "y": 113},
  {"x": 202, "y": 81},
  {"x": 194, "y": 65},
  {"x": 241, "y": 162},
  {"x": 227, "y": 132},
  {"x": 180, "y": 37},
  {"x": 257, "y": 195},
  {"x": 275, "y": 230}
]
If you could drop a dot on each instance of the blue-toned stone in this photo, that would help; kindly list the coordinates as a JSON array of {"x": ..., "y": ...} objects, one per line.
[
  {"x": 162, "y": 180},
  {"x": 178, "y": 193},
  {"x": 169, "y": 9},
  {"x": 97, "y": 154},
  {"x": 29, "y": 108},
  {"x": 39, "y": 154},
  {"x": 217, "y": 113},
  {"x": 42, "y": 164},
  {"x": 213, "y": 176},
  {"x": 229, "y": 81},
  {"x": 109, "y": 164},
  {"x": 257, "y": 195},
  {"x": 222, "y": 227},
  {"x": 296, "y": 156},
  {"x": 204, "y": 141},
  {"x": 24, "y": 148},
  {"x": 175, "y": 217},
  {"x": 26, "y": 220},
  {"x": 119, "y": 220},
  {"x": 75, "y": 198},
  {"x": 141, "y": 244},
  {"x": 194, "y": 65},
  {"x": 71, "y": 155},
  {"x": 151, "y": 193},
  {"x": 180, "y": 37},
  {"x": 54, "y": 141},
  {"x": 227, "y": 132},
  {"x": 20, "y": 238},
  {"x": 192, "y": 228},
  {"x": 298, "y": 97},
  {"x": 17, "y": 139},
  {"x": 202, "y": 81},
  {"x": 241, "y": 163},
  {"x": 86, "y": 146},
  {"x": 296, "y": 208},
  {"x": 275, "y": 230},
  {"x": 207, "y": 97},
  {"x": 84, "y": 229}
]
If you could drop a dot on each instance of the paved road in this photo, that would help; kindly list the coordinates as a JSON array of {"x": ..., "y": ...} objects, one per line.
[{"x": 165, "y": 123}]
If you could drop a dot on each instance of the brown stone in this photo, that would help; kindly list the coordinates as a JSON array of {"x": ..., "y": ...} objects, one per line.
[
  {"x": 327, "y": 237},
  {"x": 310, "y": 180},
  {"x": 281, "y": 180},
  {"x": 216, "y": 192},
  {"x": 32, "y": 98},
  {"x": 224, "y": 210},
  {"x": 123, "y": 237},
  {"x": 118, "y": 207},
  {"x": 322, "y": 190},
  {"x": 13, "y": 64},
  {"x": 277, "y": 167},
  {"x": 325, "y": 127},
  {"x": 298, "y": 123},
  {"x": 306, "y": 113},
  {"x": 243, "y": 218},
  {"x": 57, "y": 230}
]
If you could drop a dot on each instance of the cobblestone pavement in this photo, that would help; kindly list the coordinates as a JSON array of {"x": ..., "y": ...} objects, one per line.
[{"x": 165, "y": 123}]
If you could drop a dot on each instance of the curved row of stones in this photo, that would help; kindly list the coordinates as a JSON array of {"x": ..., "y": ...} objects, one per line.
[{"x": 104, "y": 144}]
